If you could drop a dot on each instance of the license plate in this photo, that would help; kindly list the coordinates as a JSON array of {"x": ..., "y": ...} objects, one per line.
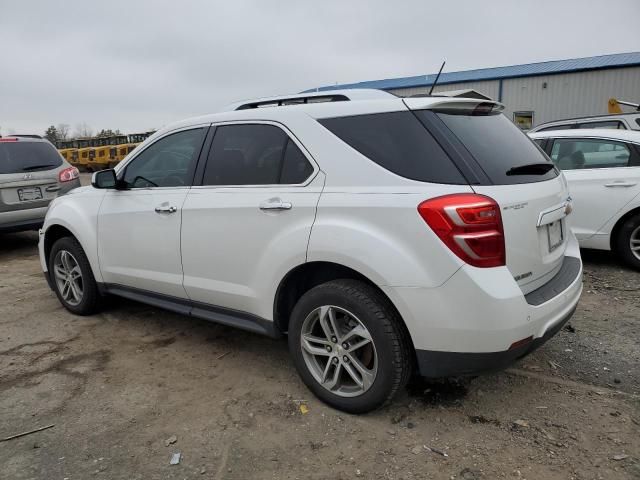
[
  {"x": 28, "y": 194},
  {"x": 555, "y": 235}
]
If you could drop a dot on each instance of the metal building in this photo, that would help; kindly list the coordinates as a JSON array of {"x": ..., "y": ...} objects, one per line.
[{"x": 534, "y": 93}]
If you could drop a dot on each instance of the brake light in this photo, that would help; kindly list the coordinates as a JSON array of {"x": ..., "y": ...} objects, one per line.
[
  {"x": 68, "y": 174},
  {"x": 8, "y": 139},
  {"x": 470, "y": 225}
]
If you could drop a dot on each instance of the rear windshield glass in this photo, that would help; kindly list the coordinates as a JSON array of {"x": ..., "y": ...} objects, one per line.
[
  {"x": 498, "y": 146},
  {"x": 398, "y": 142},
  {"x": 18, "y": 157}
]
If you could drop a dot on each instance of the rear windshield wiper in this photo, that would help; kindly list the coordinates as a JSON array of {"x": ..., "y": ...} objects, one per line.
[
  {"x": 531, "y": 169},
  {"x": 35, "y": 167}
]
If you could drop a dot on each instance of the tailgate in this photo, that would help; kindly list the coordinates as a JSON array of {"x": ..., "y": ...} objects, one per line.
[
  {"x": 535, "y": 228},
  {"x": 27, "y": 193},
  {"x": 501, "y": 162}
]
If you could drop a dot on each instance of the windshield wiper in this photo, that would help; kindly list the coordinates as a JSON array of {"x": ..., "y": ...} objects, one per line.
[
  {"x": 35, "y": 167},
  {"x": 531, "y": 169}
]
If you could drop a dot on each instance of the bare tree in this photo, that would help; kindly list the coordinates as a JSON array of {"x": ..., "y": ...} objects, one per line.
[
  {"x": 63, "y": 131},
  {"x": 83, "y": 130}
]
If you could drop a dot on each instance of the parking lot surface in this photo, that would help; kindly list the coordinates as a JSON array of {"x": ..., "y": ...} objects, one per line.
[{"x": 130, "y": 387}]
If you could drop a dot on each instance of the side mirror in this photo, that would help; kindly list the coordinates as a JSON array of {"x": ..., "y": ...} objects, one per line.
[{"x": 104, "y": 179}]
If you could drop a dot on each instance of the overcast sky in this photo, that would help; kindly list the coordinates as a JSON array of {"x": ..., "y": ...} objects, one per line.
[{"x": 141, "y": 64}]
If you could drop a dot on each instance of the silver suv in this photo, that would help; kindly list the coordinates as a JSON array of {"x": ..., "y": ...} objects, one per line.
[{"x": 32, "y": 173}]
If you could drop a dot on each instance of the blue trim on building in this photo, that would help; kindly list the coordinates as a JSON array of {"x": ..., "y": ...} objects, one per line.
[{"x": 498, "y": 73}]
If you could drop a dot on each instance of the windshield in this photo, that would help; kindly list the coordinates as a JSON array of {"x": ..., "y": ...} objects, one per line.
[{"x": 18, "y": 157}]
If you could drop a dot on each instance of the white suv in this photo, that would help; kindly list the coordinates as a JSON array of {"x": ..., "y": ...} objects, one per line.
[{"x": 381, "y": 234}]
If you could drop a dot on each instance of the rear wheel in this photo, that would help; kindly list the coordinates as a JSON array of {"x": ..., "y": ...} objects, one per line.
[
  {"x": 627, "y": 241},
  {"x": 72, "y": 278},
  {"x": 349, "y": 346}
]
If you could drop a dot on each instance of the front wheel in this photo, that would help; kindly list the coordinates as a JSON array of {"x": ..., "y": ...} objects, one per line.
[
  {"x": 627, "y": 241},
  {"x": 349, "y": 345},
  {"x": 72, "y": 278}
]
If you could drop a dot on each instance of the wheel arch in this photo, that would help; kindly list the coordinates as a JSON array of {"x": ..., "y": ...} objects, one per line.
[
  {"x": 616, "y": 228},
  {"x": 56, "y": 229},
  {"x": 52, "y": 234},
  {"x": 304, "y": 277}
]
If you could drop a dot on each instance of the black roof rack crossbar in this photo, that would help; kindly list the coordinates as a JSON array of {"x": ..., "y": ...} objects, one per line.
[{"x": 278, "y": 102}]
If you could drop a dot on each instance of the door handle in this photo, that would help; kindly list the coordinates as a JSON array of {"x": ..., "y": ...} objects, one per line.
[
  {"x": 620, "y": 184},
  {"x": 275, "y": 204},
  {"x": 166, "y": 209}
]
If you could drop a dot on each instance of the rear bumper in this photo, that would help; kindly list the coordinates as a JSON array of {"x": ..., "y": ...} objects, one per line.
[
  {"x": 21, "y": 220},
  {"x": 469, "y": 323},
  {"x": 32, "y": 218},
  {"x": 433, "y": 364}
]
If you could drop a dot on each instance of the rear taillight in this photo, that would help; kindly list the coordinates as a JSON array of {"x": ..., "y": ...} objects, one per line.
[
  {"x": 470, "y": 225},
  {"x": 8, "y": 139},
  {"x": 68, "y": 174}
]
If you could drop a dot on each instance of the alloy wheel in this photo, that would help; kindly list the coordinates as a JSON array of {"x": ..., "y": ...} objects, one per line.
[
  {"x": 339, "y": 351},
  {"x": 634, "y": 242},
  {"x": 68, "y": 277}
]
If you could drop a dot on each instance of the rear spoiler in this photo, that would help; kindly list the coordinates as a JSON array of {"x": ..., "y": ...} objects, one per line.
[{"x": 459, "y": 106}]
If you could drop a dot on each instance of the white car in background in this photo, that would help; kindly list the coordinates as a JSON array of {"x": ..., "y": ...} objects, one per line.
[
  {"x": 602, "y": 167},
  {"x": 380, "y": 234},
  {"x": 620, "y": 121}
]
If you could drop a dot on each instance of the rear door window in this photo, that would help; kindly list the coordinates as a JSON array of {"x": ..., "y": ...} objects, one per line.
[
  {"x": 398, "y": 142},
  {"x": 575, "y": 154},
  {"x": 20, "y": 156},
  {"x": 254, "y": 154},
  {"x": 295, "y": 166},
  {"x": 498, "y": 146}
]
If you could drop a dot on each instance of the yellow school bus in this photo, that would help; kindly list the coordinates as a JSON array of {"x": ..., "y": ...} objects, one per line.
[
  {"x": 84, "y": 147},
  {"x": 69, "y": 150},
  {"x": 117, "y": 149},
  {"x": 130, "y": 142},
  {"x": 100, "y": 159}
]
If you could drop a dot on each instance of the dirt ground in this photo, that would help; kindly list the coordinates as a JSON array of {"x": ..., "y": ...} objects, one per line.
[{"x": 120, "y": 386}]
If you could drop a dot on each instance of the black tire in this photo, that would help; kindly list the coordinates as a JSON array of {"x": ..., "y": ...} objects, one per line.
[
  {"x": 389, "y": 335},
  {"x": 90, "y": 301},
  {"x": 622, "y": 241}
]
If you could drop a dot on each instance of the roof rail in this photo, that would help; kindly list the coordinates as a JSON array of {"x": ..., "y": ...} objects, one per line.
[
  {"x": 30, "y": 135},
  {"x": 313, "y": 97},
  {"x": 278, "y": 102}
]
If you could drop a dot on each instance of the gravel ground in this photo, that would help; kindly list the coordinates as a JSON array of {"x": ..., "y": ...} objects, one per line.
[{"x": 129, "y": 387}]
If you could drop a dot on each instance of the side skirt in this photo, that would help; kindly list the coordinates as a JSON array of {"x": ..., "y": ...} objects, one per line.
[{"x": 225, "y": 316}]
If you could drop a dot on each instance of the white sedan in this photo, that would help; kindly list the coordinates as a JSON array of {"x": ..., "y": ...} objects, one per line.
[{"x": 602, "y": 167}]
